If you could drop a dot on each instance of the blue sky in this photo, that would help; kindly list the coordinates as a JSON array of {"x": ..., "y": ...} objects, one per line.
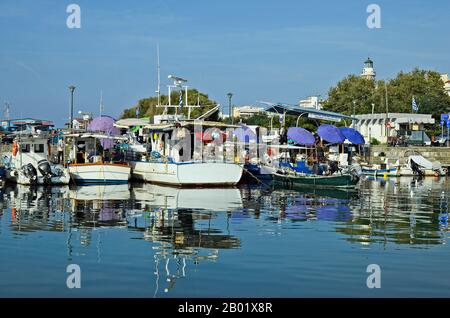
[{"x": 259, "y": 50}]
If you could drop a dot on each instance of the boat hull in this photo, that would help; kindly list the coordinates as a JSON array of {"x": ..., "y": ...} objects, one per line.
[
  {"x": 187, "y": 173},
  {"x": 100, "y": 173},
  {"x": 391, "y": 172},
  {"x": 339, "y": 181}
]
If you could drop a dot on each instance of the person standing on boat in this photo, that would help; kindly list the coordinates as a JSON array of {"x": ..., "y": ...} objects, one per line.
[{"x": 60, "y": 150}]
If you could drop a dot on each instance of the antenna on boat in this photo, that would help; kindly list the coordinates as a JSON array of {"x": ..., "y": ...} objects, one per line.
[
  {"x": 158, "y": 91},
  {"x": 102, "y": 108}
]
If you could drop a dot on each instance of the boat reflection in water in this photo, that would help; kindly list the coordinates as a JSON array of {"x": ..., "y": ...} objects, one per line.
[
  {"x": 407, "y": 210},
  {"x": 181, "y": 223},
  {"x": 36, "y": 208},
  {"x": 300, "y": 204},
  {"x": 99, "y": 205},
  {"x": 144, "y": 230}
]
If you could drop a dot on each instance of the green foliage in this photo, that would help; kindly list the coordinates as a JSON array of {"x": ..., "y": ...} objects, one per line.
[
  {"x": 425, "y": 86},
  {"x": 374, "y": 142},
  {"x": 354, "y": 94},
  {"x": 148, "y": 106}
]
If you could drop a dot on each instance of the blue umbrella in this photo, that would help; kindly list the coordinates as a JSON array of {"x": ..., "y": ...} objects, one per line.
[
  {"x": 301, "y": 136},
  {"x": 245, "y": 134},
  {"x": 352, "y": 135},
  {"x": 331, "y": 134}
]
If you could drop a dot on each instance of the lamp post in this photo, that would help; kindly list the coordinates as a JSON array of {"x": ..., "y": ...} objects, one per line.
[
  {"x": 72, "y": 89},
  {"x": 230, "y": 95},
  {"x": 298, "y": 118}
]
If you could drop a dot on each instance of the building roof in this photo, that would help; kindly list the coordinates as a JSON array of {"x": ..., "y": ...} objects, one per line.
[
  {"x": 26, "y": 121},
  {"x": 401, "y": 118}
]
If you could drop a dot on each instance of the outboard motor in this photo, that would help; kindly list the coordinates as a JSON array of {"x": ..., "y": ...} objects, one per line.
[
  {"x": 30, "y": 172},
  {"x": 333, "y": 167},
  {"x": 46, "y": 170},
  {"x": 416, "y": 169},
  {"x": 2, "y": 176}
]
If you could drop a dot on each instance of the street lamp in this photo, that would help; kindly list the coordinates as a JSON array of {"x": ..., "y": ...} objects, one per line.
[
  {"x": 72, "y": 89},
  {"x": 230, "y": 95},
  {"x": 299, "y": 118}
]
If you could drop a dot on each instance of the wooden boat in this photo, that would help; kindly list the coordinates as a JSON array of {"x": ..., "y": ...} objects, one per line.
[
  {"x": 311, "y": 180},
  {"x": 95, "y": 170},
  {"x": 100, "y": 172}
]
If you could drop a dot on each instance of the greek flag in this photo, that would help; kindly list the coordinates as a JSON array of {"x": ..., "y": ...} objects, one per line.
[
  {"x": 415, "y": 108},
  {"x": 181, "y": 99}
]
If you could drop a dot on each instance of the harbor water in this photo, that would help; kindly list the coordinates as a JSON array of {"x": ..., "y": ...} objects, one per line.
[{"x": 144, "y": 240}]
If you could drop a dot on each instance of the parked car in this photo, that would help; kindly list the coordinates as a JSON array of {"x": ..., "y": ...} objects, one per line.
[{"x": 415, "y": 137}]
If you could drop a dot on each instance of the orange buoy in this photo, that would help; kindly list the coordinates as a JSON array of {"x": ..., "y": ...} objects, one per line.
[{"x": 15, "y": 148}]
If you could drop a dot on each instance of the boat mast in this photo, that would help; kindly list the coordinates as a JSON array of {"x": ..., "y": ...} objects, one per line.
[{"x": 158, "y": 90}]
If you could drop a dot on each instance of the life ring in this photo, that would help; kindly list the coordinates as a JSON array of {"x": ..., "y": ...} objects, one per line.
[
  {"x": 15, "y": 148},
  {"x": 269, "y": 151}
]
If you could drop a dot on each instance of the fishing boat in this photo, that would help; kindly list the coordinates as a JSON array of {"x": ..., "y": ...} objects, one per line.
[
  {"x": 93, "y": 161},
  {"x": 380, "y": 170},
  {"x": 337, "y": 180},
  {"x": 29, "y": 163},
  {"x": 160, "y": 162}
]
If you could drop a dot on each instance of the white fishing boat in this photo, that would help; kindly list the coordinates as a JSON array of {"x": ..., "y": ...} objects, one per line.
[
  {"x": 93, "y": 164},
  {"x": 159, "y": 161},
  {"x": 29, "y": 162}
]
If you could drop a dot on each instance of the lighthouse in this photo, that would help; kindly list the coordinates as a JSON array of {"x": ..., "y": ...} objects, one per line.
[{"x": 368, "y": 71}]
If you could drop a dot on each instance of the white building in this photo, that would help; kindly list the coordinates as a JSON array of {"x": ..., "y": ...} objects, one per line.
[
  {"x": 311, "y": 102},
  {"x": 368, "y": 70},
  {"x": 446, "y": 79},
  {"x": 246, "y": 111},
  {"x": 380, "y": 126}
]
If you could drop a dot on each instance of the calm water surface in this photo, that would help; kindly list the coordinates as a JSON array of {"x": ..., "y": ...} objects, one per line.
[{"x": 252, "y": 241}]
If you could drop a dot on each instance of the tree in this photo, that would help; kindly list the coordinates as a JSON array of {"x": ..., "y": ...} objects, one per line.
[
  {"x": 355, "y": 94},
  {"x": 148, "y": 106},
  {"x": 425, "y": 86}
]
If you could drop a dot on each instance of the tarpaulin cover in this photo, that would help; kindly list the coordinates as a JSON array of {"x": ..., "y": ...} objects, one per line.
[
  {"x": 331, "y": 134},
  {"x": 104, "y": 124},
  {"x": 301, "y": 136},
  {"x": 352, "y": 135}
]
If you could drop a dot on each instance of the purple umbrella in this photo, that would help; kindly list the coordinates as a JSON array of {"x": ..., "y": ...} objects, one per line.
[
  {"x": 331, "y": 134},
  {"x": 104, "y": 124},
  {"x": 245, "y": 134},
  {"x": 352, "y": 135},
  {"x": 301, "y": 136}
]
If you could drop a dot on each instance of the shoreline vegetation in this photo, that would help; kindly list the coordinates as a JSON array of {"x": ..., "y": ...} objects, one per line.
[{"x": 352, "y": 95}]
